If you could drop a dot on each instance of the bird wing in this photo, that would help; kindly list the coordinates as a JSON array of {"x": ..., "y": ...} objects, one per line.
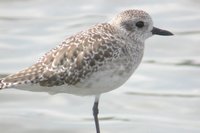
[
  {"x": 74, "y": 59},
  {"x": 28, "y": 75},
  {"x": 79, "y": 56}
]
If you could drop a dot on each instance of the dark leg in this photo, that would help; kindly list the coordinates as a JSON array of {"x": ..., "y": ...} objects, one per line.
[{"x": 95, "y": 113}]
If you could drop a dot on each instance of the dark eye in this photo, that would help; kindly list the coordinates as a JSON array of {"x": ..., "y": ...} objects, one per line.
[{"x": 139, "y": 24}]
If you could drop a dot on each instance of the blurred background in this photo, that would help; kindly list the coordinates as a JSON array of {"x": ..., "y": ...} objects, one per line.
[{"x": 162, "y": 96}]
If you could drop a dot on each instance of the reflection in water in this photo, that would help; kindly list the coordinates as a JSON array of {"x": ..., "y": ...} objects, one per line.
[
  {"x": 187, "y": 33},
  {"x": 180, "y": 63},
  {"x": 109, "y": 118},
  {"x": 181, "y": 95},
  {"x": 189, "y": 63}
]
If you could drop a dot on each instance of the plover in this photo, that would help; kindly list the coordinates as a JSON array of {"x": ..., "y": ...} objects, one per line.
[{"x": 91, "y": 62}]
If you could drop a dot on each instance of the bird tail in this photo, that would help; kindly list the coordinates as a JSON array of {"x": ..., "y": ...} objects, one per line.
[{"x": 29, "y": 75}]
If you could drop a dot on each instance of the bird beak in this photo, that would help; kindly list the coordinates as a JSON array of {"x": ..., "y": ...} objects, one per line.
[{"x": 157, "y": 31}]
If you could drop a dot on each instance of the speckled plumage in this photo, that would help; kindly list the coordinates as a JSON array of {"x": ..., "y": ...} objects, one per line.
[{"x": 93, "y": 61}]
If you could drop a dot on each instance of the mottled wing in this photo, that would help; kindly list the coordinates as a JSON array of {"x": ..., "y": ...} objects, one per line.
[
  {"x": 75, "y": 59},
  {"x": 79, "y": 56},
  {"x": 28, "y": 75}
]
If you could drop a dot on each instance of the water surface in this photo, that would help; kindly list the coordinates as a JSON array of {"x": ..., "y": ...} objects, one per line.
[{"x": 162, "y": 96}]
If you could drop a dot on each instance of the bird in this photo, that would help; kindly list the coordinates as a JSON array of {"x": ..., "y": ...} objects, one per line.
[{"x": 91, "y": 62}]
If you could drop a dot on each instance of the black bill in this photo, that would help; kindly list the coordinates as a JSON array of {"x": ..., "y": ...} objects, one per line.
[{"x": 157, "y": 31}]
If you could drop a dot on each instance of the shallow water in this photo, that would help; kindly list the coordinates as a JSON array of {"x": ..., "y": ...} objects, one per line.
[{"x": 162, "y": 96}]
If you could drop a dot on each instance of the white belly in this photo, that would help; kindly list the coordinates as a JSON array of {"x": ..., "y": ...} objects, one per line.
[
  {"x": 99, "y": 82},
  {"x": 110, "y": 77},
  {"x": 104, "y": 81}
]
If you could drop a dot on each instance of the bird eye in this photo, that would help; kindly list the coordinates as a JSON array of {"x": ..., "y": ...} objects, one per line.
[{"x": 139, "y": 24}]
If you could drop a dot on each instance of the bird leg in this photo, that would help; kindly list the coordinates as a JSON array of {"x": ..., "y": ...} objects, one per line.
[{"x": 96, "y": 112}]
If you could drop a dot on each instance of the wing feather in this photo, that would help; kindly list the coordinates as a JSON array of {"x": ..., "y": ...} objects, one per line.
[
  {"x": 81, "y": 56},
  {"x": 73, "y": 60}
]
